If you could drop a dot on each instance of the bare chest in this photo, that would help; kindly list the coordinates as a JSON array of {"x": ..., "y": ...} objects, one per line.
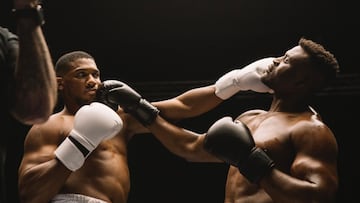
[{"x": 272, "y": 132}]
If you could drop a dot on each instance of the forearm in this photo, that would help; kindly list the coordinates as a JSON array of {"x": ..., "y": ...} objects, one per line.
[
  {"x": 42, "y": 182},
  {"x": 182, "y": 142},
  {"x": 285, "y": 188},
  {"x": 35, "y": 86},
  {"x": 189, "y": 104}
]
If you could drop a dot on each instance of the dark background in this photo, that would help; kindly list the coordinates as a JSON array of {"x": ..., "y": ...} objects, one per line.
[
  {"x": 164, "y": 47},
  {"x": 141, "y": 40}
]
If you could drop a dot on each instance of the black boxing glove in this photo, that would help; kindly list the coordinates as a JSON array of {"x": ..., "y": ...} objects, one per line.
[
  {"x": 233, "y": 143},
  {"x": 116, "y": 92},
  {"x": 103, "y": 90}
]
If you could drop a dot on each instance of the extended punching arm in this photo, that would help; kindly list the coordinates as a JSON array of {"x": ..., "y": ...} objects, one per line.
[{"x": 233, "y": 143}]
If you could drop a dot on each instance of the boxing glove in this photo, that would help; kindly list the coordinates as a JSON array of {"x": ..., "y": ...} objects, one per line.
[
  {"x": 116, "y": 92},
  {"x": 233, "y": 143},
  {"x": 102, "y": 91},
  {"x": 92, "y": 124},
  {"x": 246, "y": 78}
]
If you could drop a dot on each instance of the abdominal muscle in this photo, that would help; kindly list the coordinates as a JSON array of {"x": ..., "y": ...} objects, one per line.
[
  {"x": 239, "y": 190},
  {"x": 104, "y": 175}
]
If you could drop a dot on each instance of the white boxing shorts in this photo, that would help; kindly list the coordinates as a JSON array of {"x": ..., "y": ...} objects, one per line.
[{"x": 75, "y": 198}]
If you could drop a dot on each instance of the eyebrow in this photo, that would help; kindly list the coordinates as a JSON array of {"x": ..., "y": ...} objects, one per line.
[{"x": 84, "y": 68}]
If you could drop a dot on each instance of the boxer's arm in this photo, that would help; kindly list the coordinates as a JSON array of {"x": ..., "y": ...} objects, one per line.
[
  {"x": 182, "y": 142},
  {"x": 192, "y": 103},
  {"x": 35, "y": 79},
  {"x": 41, "y": 176},
  {"x": 49, "y": 158},
  {"x": 201, "y": 100},
  {"x": 313, "y": 176}
]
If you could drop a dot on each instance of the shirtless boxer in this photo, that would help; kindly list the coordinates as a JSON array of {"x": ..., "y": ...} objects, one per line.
[
  {"x": 53, "y": 163},
  {"x": 285, "y": 154}
]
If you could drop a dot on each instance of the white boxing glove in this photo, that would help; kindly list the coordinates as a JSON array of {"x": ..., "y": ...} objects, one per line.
[
  {"x": 92, "y": 124},
  {"x": 246, "y": 78}
]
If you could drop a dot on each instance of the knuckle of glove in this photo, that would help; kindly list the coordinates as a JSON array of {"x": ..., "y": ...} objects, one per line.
[{"x": 102, "y": 93}]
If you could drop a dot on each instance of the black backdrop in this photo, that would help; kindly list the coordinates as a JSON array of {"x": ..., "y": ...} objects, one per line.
[
  {"x": 152, "y": 44},
  {"x": 141, "y": 40}
]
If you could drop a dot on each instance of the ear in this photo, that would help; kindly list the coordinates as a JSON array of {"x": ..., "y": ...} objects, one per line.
[{"x": 60, "y": 83}]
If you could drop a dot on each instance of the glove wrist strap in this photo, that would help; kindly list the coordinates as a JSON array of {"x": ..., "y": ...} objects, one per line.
[
  {"x": 256, "y": 166},
  {"x": 145, "y": 112},
  {"x": 70, "y": 155}
]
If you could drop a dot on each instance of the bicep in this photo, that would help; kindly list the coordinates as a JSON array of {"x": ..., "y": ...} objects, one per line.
[
  {"x": 316, "y": 155},
  {"x": 38, "y": 148}
]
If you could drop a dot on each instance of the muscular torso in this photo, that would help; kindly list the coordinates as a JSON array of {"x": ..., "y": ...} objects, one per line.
[
  {"x": 271, "y": 132},
  {"x": 105, "y": 173}
]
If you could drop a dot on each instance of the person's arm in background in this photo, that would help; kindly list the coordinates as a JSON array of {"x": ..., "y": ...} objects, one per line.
[{"x": 35, "y": 87}]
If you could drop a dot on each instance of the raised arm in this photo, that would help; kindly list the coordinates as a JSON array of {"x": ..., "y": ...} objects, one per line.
[{"x": 35, "y": 86}]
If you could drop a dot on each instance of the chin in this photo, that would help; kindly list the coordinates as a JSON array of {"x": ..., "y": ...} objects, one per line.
[{"x": 89, "y": 101}]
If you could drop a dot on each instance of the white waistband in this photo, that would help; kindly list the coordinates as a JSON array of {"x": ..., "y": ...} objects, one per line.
[{"x": 75, "y": 198}]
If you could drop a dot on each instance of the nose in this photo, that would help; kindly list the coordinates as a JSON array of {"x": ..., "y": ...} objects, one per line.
[
  {"x": 277, "y": 61},
  {"x": 92, "y": 81}
]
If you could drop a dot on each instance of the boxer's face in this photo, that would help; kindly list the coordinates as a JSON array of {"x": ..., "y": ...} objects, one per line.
[
  {"x": 289, "y": 72},
  {"x": 81, "y": 81}
]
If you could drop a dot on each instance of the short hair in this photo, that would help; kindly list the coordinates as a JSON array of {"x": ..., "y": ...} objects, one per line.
[
  {"x": 324, "y": 61},
  {"x": 62, "y": 65}
]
